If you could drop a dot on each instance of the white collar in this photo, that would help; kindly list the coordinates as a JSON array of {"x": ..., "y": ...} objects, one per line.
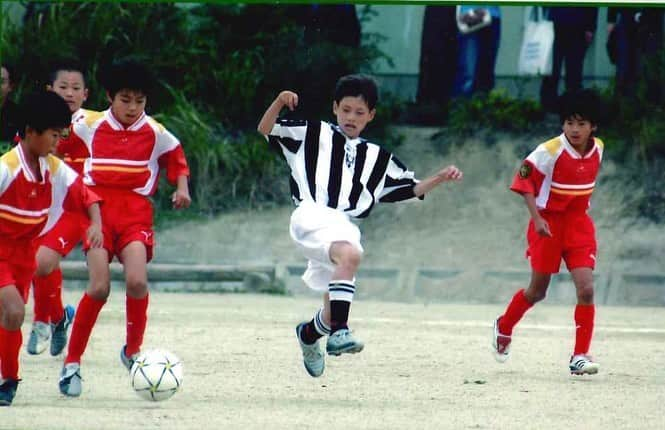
[{"x": 573, "y": 152}]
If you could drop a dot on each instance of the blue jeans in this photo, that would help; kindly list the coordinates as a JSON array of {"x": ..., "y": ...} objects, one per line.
[{"x": 476, "y": 60}]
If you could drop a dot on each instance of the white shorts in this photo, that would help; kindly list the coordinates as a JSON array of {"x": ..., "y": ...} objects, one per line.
[{"x": 314, "y": 228}]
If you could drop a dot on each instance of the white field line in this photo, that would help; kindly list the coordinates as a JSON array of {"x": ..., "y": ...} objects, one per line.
[{"x": 485, "y": 324}]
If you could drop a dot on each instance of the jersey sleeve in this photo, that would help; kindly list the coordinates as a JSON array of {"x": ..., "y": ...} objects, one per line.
[
  {"x": 70, "y": 143},
  {"x": 79, "y": 197},
  {"x": 533, "y": 171},
  {"x": 398, "y": 183},
  {"x": 288, "y": 133},
  {"x": 171, "y": 156}
]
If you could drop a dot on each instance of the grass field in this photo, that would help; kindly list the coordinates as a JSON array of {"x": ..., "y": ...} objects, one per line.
[{"x": 424, "y": 366}]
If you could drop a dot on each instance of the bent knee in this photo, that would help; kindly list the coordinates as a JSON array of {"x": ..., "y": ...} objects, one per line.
[
  {"x": 137, "y": 287},
  {"x": 585, "y": 294},
  {"x": 347, "y": 255},
  {"x": 13, "y": 316}
]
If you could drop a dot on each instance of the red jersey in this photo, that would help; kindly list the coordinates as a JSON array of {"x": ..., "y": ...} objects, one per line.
[
  {"x": 71, "y": 148},
  {"x": 558, "y": 176},
  {"x": 129, "y": 158},
  {"x": 25, "y": 202}
]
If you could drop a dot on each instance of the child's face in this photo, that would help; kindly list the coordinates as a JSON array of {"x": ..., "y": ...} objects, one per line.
[
  {"x": 577, "y": 131},
  {"x": 70, "y": 86},
  {"x": 127, "y": 106},
  {"x": 5, "y": 85},
  {"x": 352, "y": 114},
  {"x": 42, "y": 144}
]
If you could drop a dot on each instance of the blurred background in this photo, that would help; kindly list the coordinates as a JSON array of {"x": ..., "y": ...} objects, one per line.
[{"x": 447, "y": 96}]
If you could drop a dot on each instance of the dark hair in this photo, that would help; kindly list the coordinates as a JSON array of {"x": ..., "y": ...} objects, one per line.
[
  {"x": 43, "y": 110},
  {"x": 127, "y": 74},
  {"x": 583, "y": 103},
  {"x": 10, "y": 72},
  {"x": 65, "y": 65},
  {"x": 357, "y": 86}
]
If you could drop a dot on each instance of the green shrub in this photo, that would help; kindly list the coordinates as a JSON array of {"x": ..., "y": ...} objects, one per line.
[{"x": 496, "y": 110}]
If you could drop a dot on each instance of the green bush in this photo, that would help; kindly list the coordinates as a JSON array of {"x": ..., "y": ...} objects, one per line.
[
  {"x": 496, "y": 110},
  {"x": 219, "y": 67}
]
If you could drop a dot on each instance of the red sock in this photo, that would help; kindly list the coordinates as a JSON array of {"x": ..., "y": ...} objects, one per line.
[
  {"x": 137, "y": 317},
  {"x": 514, "y": 312},
  {"x": 41, "y": 292},
  {"x": 584, "y": 315},
  {"x": 55, "y": 300},
  {"x": 10, "y": 345},
  {"x": 86, "y": 316}
]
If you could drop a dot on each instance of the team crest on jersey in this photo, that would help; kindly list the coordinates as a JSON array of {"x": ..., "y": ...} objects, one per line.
[
  {"x": 525, "y": 171},
  {"x": 350, "y": 155}
]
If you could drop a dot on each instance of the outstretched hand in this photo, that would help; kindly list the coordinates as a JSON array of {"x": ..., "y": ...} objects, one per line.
[
  {"x": 450, "y": 173},
  {"x": 288, "y": 99}
]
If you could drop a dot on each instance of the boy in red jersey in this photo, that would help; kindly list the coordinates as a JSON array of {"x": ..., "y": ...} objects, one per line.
[
  {"x": 556, "y": 181},
  {"x": 127, "y": 151},
  {"x": 51, "y": 319},
  {"x": 32, "y": 183}
]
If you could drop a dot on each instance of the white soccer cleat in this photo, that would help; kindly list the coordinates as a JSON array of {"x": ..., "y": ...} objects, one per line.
[
  {"x": 70, "y": 380},
  {"x": 500, "y": 344},
  {"x": 312, "y": 356},
  {"x": 40, "y": 337},
  {"x": 583, "y": 365},
  {"x": 343, "y": 342}
]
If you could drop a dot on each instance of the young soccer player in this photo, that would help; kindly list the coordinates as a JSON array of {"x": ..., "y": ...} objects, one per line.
[
  {"x": 32, "y": 184},
  {"x": 51, "y": 319},
  {"x": 335, "y": 176},
  {"x": 556, "y": 181},
  {"x": 127, "y": 151}
]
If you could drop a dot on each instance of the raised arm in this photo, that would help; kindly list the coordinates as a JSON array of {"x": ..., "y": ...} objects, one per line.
[{"x": 285, "y": 98}]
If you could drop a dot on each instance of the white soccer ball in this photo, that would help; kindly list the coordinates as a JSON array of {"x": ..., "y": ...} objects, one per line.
[{"x": 156, "y": 375}]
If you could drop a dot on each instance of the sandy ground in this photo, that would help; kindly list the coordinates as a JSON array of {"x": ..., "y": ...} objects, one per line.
[{"x": 425, "y": 366}]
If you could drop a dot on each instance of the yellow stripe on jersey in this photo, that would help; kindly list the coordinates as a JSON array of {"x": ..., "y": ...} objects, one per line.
[
  {"x": 600, "y": 143},
  {"x": 53, "y": 163},
  {"x": 22, "y": 220},
  {"x": 120, "y": 169},
  {"x": 74, "y": 160},
  {"x": 11, "y": 159},
  {"x": 92, "y": 117},
  {"x": 572, "y": 193},
  {"x": 553, "y": 145},
  {"x": 159, "y": 126}
]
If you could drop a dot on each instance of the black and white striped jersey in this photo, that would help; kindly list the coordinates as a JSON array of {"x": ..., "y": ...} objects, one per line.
[{"x": 349, "y": 175}]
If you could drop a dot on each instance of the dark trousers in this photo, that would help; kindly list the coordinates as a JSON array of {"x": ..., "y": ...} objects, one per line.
[
  {"x": 569, "y": 48},
  {"x": 476, "y": 60}
]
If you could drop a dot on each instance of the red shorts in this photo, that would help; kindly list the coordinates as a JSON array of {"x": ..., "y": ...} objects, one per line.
[
  {"x": 573, "y": 240},
  {"x": 17, "y": 265},
  {"x": 66, "y": 233},
  {"x": 126, "y": 217}
]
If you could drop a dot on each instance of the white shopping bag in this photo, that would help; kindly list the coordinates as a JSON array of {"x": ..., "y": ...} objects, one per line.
[{"x": 536, "y": 52}]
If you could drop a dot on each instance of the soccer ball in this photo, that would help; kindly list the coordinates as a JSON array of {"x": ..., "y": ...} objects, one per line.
[{"x": 156, "y": 375}]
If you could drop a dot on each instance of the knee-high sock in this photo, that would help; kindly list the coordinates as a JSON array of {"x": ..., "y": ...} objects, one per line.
[
  {"x": 41, "y": 292},
  {"x": 56, "y": 307},
  {"x": 86, "y": 316},
  {"x": 514, "y": 312},
  {"x": 315, "y": 329},
  {"x": 137, "y": 317},
  {"x": 10, "y": 346},
  {"x": 341, "y": 295},
  {"x": 584, "y": 316}
]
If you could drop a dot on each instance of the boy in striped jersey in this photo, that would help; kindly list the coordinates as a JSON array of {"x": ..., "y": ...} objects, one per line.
[
  {"x": 128, "y": 149},
  {"x": 51, "y": 318},
  {"x": 32, "y": 183},
  {"x": 556, "y": 181},
  {"x": 335, "y": 176}
]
